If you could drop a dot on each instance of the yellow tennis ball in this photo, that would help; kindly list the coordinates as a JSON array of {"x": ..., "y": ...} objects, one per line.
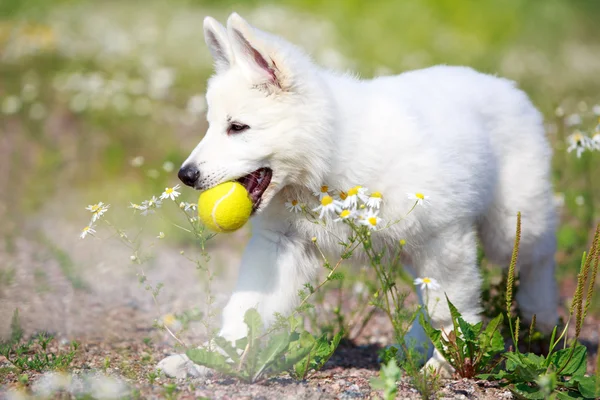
[{"x": 225, "y": 207}]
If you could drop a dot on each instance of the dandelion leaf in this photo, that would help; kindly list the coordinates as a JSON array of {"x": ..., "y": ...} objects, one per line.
[
  {"x": 227, "y": 347},
  {"x": 210, "y": 359}
]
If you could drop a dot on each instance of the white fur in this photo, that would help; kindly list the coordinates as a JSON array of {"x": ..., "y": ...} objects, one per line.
[{"x": 473, "y": 143}]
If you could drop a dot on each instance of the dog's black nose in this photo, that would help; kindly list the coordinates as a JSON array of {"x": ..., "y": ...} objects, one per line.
[{"x": 189, "y": 175}]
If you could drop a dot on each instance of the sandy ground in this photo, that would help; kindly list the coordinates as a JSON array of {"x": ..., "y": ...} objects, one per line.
[{"x": 96, "y": 299}]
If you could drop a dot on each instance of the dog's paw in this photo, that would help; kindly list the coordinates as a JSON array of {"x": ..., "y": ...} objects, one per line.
[
  {"x": 180, "y": 366},
  {"x": 440, "y": 366}
]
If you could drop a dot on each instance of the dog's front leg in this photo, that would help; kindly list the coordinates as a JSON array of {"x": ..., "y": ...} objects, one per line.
[{"x": 275, "y": 265}]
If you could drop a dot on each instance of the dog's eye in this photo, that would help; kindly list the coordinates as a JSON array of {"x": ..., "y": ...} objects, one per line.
[{"x": 236, "y": 127}]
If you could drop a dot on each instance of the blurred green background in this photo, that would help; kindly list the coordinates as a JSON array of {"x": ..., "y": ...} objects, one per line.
[{"x": 103, "y": 100}]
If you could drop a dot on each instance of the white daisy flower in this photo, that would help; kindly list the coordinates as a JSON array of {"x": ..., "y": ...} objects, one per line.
[
  {"x": 170, "y": 192},
  {"x": 374, "y": 201},
  {"x": 324, "y": 191},
  {"x": 190, "y": 206},
  {"x": 135, "y": 206},
  {"x": 97, "y": 210},
  {"x": 153, "y": 202},
  {"x": 420, "y": 198},
  {"x": 161, "y": 235},
  {"x": 345, "y": 214},
  {"x": 328, "y": 205},
  {"x": 148, "y": 206},
  {"x": 293, "y": 206},
  {"x": 596, "y": 139},
  {"x": 578, "y": 142},
  {"x": 341, "y": 196},
  {"x": 147, "y": 211},
  {"x": 370, "y": 219},
  {"x": 427, "y": 283},
  {"x": 354, "y": 195},
  {"x": 88, "y": 230}
]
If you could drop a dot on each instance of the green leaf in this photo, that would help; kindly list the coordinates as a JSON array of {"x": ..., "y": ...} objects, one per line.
[
  {"x": 298, "y": 351},
  {"x": 227, "y": 347},
  {"x": 466, "y": 330},
  {"x": 531, "y": 368},
  {"x": 254, "y": 322},
  {"x": 295, "y": 322},
  {"x": 336, "y": 276},
  {"x": 528, "y": 392},
  {"x": 210, "y": 359},
  {"x": 492, "y": 327},
  {"x": 587, "y": 387},
  {"x": 569, "y": 395},
  {"x": 241, "y": 344},
  {"x": 501, "y": 374},
  {"x": 433, "y": 334},
  {"x": 386, "y": 381},
  {"x": 453, "y": 312},
  {"x": 491, "y": 343},
  {"x": 319, "y": 353},
  {"x": 277, "y": 345},
  {"x": 513, "y": 360},
  {"x": 527, "y": 366},
  {"x": 576, "y": 366},
  {"x": 552, "y": 337}
]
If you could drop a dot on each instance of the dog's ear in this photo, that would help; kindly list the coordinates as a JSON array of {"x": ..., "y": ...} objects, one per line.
[
  {"x": 215, "y": 36},
  {"x": 250, "y": 51}
]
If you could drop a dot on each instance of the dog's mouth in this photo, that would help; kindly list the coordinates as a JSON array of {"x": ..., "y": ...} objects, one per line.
[{"x": 256, "y": 183}]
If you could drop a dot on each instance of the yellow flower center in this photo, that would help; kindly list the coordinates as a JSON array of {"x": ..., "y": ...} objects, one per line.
[
  {"x": 402, "y": 242},
  {"x": 376, "y": 195},
  {"x": 420, "y": 196},
  {"x": 169, "y": 190},
  {"x": 345, "y": 214},
  {"x": 372, "y": 221},
  {"x": 87, "y": 228},
  {"x": 426, "y": 280},
  {"x": 327, "y": 200},
  {"x": 343, "y": 195},
  {"x": 353, "y": 191},
  {"x": 294, "y": 203},
  {"x": 95, "y": 208},
  {"x": 324, "y": 189}
]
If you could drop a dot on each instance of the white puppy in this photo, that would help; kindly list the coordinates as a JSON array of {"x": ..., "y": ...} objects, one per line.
[{"x": 473, "y": 143}]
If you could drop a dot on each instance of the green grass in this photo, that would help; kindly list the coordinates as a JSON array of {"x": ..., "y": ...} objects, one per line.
[{"x": 34, "y": 354}]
